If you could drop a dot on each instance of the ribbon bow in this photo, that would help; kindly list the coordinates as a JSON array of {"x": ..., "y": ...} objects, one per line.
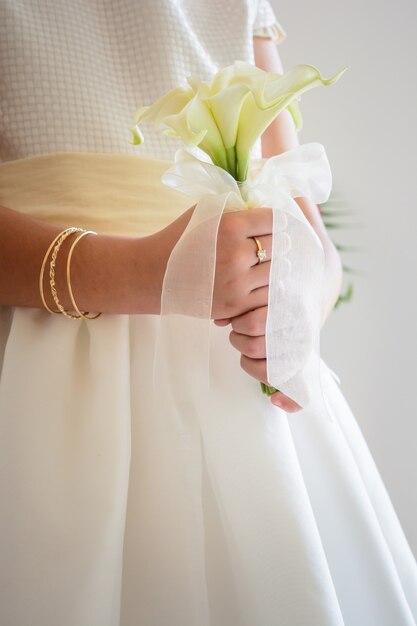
[{"x": 296, "y": 275}]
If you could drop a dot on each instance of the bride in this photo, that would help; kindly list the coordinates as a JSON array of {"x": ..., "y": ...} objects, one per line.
[{"x": 129, "y": 499}]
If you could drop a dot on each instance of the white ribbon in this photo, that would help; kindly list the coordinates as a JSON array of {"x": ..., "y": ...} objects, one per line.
[{"x": 296, "y": 276}]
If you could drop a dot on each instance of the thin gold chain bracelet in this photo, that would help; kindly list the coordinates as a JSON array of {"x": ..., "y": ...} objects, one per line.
[
  {"x": 52, "y": 265},
  {"x": 71, "y": 229}
]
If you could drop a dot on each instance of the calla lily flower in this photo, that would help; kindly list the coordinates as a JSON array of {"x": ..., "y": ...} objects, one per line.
[
  {"x": 265, "y": 103},
  {"x": 196, "y": 126},
  {"x": 171, "y": 103},
  {"x": 226, "y": 116}
]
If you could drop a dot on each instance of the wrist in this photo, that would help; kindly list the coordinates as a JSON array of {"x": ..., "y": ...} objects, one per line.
[
  {"x": 109, "y": 274},
  {"x": 122, "y": 275},
  {"x": 146, "y": 274},
  {"x": 141, "y": 273}
]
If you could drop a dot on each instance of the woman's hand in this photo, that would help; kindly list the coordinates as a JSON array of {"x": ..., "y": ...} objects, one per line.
[
  {"x": 248, "y": 337},
  {"x": 241, "y": 284},
  {"x": 241, "y": 290}
]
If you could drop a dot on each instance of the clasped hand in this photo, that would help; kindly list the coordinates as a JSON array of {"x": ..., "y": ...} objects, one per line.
[{"x": 241, "y": 286}]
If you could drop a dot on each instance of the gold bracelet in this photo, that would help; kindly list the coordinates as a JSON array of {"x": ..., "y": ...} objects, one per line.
[
  {"x": 61, "y": 239},
  {"x": 85, "y": 314},
  {"x": 71, "y": 229}
]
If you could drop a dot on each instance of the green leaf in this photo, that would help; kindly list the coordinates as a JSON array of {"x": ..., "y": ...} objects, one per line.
[
  {"x": 345, "y": 297},
  {"x": 351, "y": 270},
  {"x": 342, "y": 225},
  {"x": 335, "y": 213},
  {"x": 346, "y": 248}
]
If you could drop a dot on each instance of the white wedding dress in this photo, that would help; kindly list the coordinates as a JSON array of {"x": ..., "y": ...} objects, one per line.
[{"x": 101, "y": 524}]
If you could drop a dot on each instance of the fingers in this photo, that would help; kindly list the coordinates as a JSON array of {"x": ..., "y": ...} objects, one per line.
[
  {"x": 241, "y": 282},
  {"x": 258, "y": 221},
  {"x": 259, "y": 275},
  {"x": 257, "y": 369},
  {"x": 252, "y": 323},
  {"x": 251, "y": 293},
  {"x": 223, "y": 322},
  {"x": 246, "y": 275},
  {"x": 256, "y": 299},
  {"x": 284, "y": 402},
  {"x": 240, "y": 248},
  {"x": 266, "y": 243},
  {"x": 253, "y": 347}
]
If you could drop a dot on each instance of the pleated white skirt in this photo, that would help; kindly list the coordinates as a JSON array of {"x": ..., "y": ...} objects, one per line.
[{"x": 103, "y": 524}]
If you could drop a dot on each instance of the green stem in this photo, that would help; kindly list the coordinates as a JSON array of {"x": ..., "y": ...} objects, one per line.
[
  {"x": 242, "y": 168},
  {"x": 267, "y": 389},
  {"x": 231, "y": 161},
  {"x": 243, "y": 189}
]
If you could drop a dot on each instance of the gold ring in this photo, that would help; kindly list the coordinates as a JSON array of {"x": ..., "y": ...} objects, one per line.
[{"x": 261, "y": 252}]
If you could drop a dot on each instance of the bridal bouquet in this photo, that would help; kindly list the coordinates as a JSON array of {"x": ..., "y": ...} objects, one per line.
[{"x": 223, "y": 118}]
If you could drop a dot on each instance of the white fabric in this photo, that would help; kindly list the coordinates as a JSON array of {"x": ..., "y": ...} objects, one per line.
[
  {"x": 295, "y": 525},
  {"x": 74, "y": 73},
  {"x": 266, "y": 24}
]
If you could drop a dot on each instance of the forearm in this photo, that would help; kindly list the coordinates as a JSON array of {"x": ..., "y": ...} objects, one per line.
[
  {"x": 124, "y": 275},
  {"x": 111, "y": 274}
]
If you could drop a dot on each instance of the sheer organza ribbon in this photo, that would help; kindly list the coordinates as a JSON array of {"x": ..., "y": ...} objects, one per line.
[{"x": 296, "y": 274}]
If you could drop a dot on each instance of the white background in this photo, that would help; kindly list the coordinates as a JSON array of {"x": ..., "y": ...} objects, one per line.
[{"x": 367, "y": 123}]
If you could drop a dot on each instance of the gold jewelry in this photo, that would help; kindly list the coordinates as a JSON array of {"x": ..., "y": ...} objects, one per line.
[
  {"x": 261, "y": 252},
  {"x": 60, "y": 241},
  {"x": 85, "y": 314},
  {"x": 71, "y": 229}
]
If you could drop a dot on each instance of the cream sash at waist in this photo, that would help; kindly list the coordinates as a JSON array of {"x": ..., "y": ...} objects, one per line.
[{"x": 110, "y": 193}]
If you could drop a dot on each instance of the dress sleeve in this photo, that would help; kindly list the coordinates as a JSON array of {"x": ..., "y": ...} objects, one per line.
[{"x": 266, "y": 23}]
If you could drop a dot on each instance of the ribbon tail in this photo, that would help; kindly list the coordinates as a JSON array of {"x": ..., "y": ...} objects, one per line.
[
  {"x": 295, "y": 306},
  {"x": 182, "y": 344}
]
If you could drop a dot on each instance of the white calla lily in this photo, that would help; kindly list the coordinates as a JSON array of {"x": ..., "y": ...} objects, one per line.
[
  {"x": 196, "y": 126},
  {"x": 226, "y": 116},
  {"x": 267, "y": 94},
  {"x": 170, "y": 103}
]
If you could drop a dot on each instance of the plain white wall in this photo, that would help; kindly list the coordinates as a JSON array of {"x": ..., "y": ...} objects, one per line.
[{"x": 367, "y": 123}]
